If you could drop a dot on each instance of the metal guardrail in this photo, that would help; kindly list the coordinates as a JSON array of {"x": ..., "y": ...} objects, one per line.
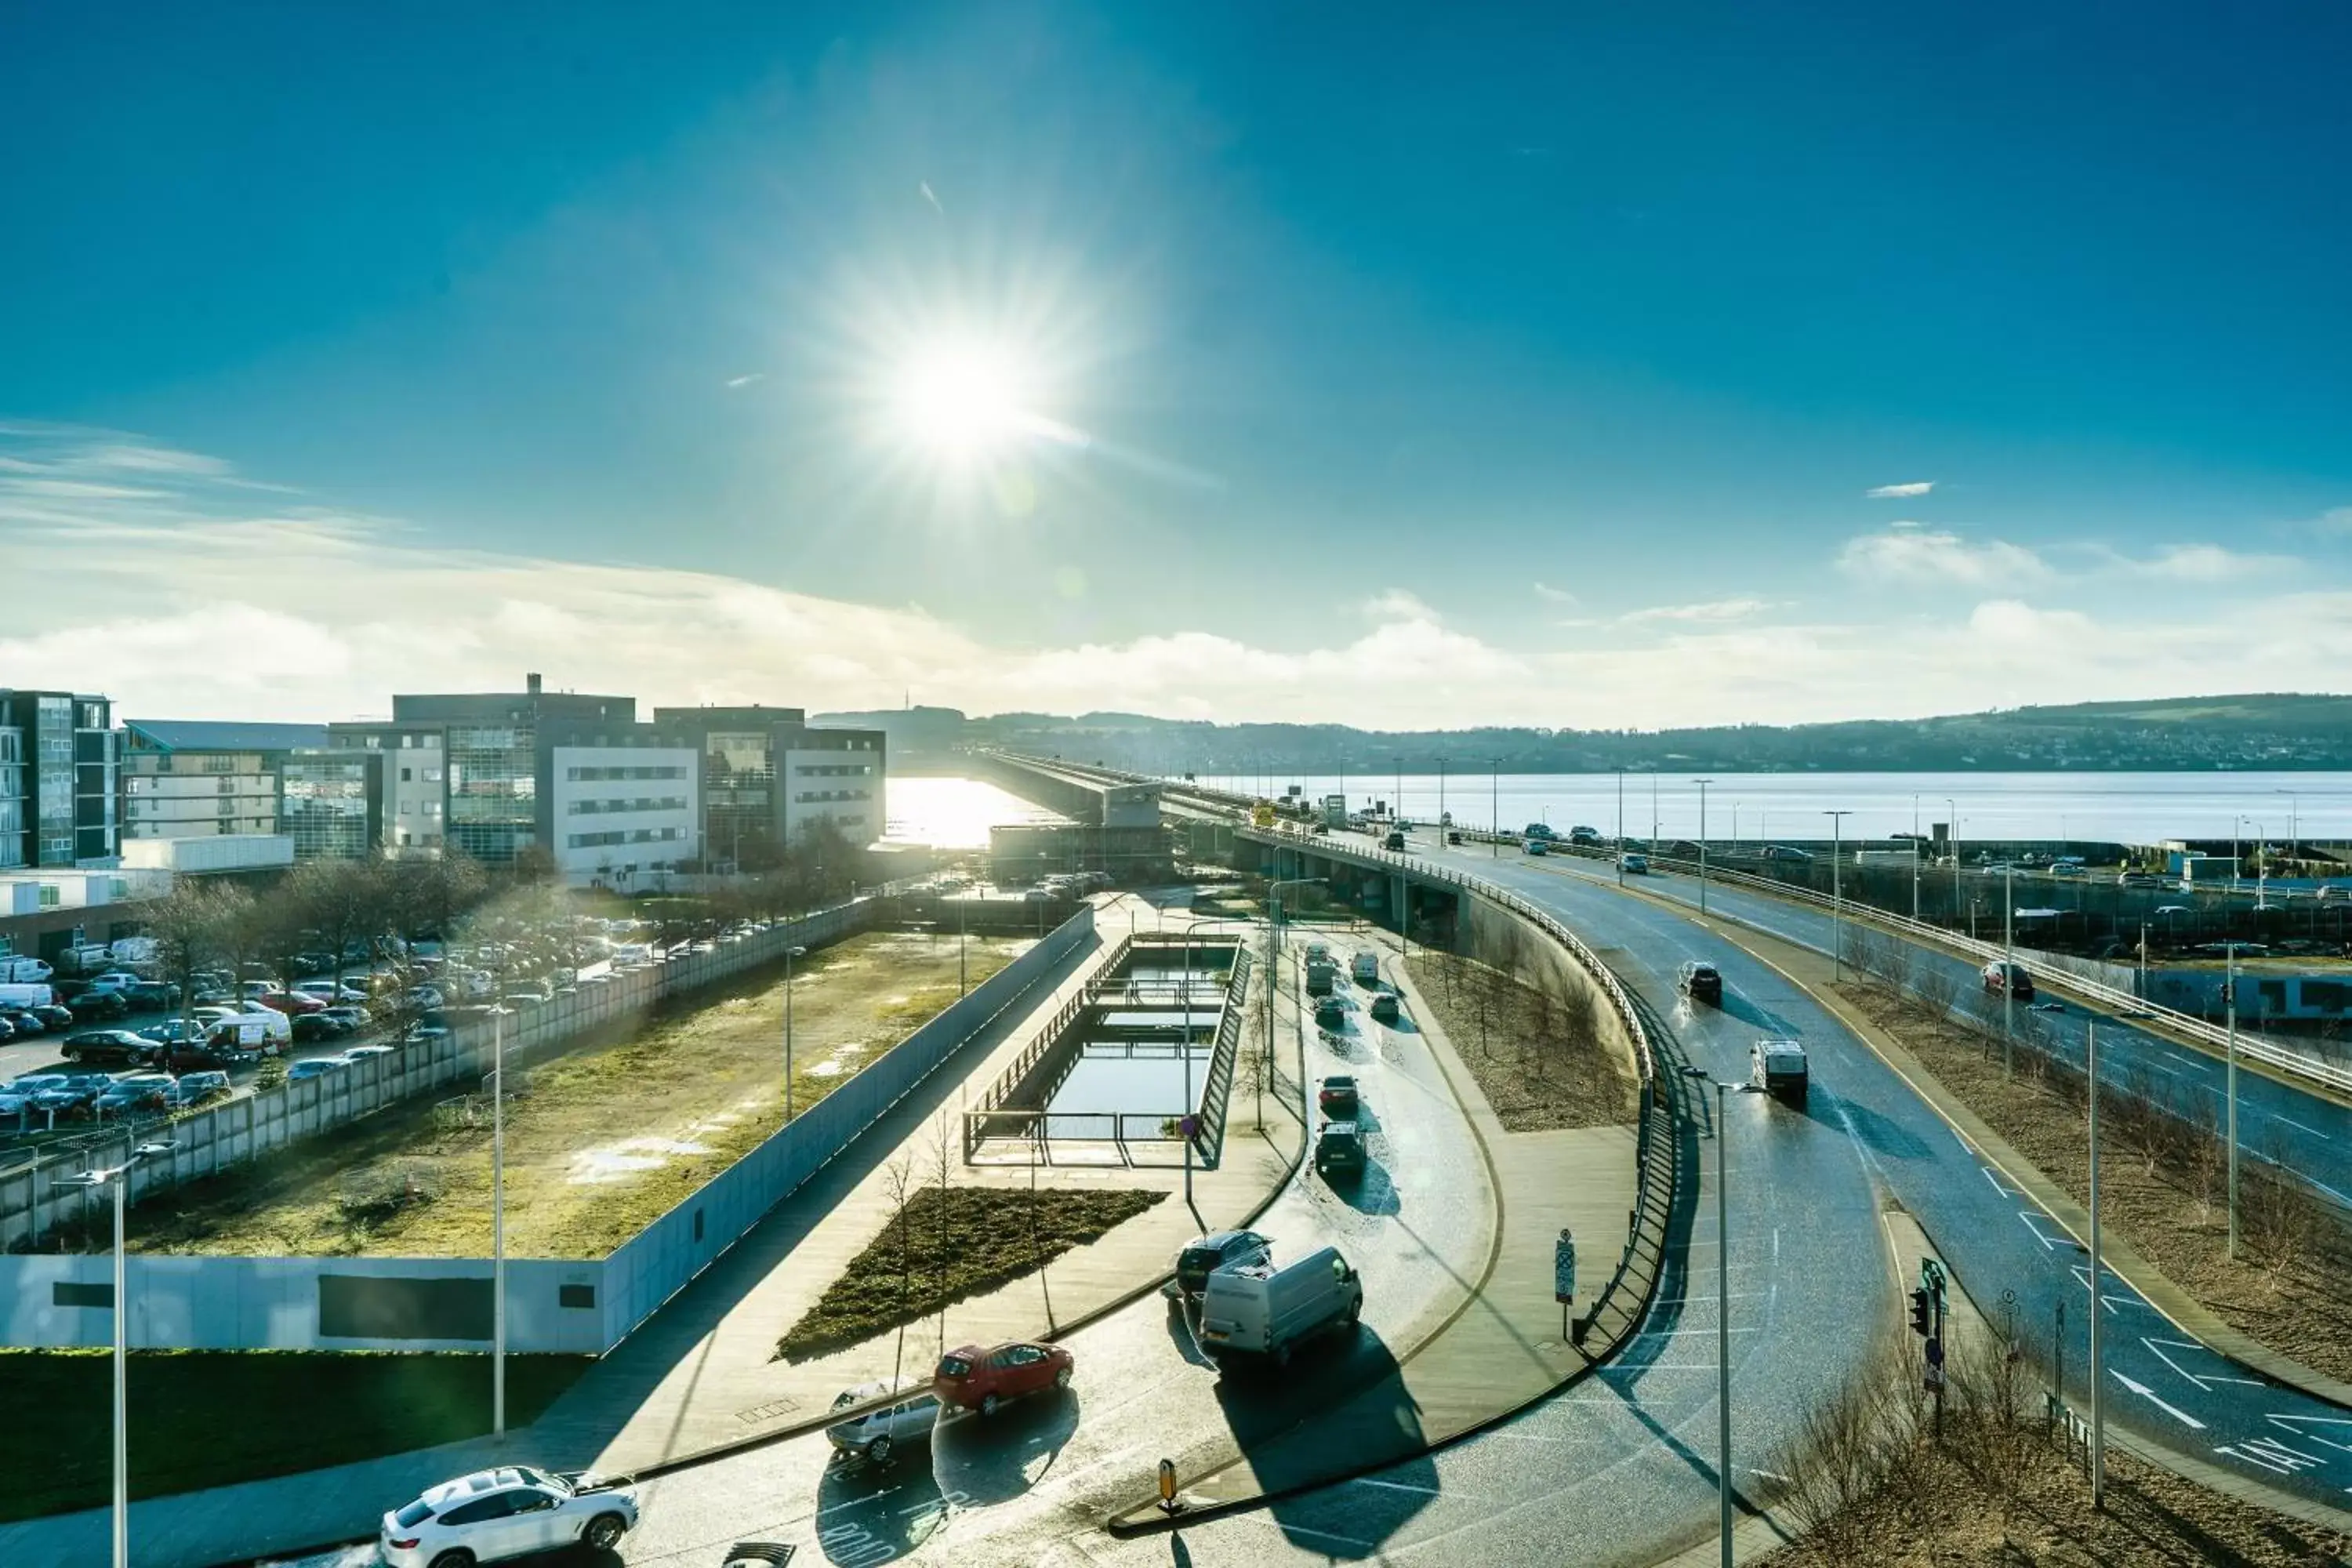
[{"x": 2252, "y": 1045}]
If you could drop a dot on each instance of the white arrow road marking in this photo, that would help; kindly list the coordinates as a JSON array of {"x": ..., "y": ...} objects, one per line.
[
  {"x": 1994, "y": 1177},
  {"x": 2114, "y": 1298},
  {"x": 2272, "y": 1456},
  {"x": 2145, "y": 1392},
  {"x": 2291, "y": 1425},
  {"x": 2206, "y": 1381},
  {"x": 2055, "y": 1243}
]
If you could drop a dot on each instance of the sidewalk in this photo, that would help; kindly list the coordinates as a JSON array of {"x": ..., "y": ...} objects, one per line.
[
  {"x": 697, "y": 1377},
  {"x": 1501, "y": 1347}
]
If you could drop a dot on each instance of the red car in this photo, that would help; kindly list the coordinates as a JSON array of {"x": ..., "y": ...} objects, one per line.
[
  {"x": 975, "y": 1378},
  {"x": 294, "y": 1004}
]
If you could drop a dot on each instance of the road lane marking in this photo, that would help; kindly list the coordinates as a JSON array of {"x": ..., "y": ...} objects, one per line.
[
  {"x": 1407, "y": 1487},
  {"x": 1288, "y": 1528},
  {"x": 2205, "y": 1381},
  {"x": 2145, "y": 1392},
  {"x": 2272, "y": 1455},
  {"x": 1994, "y": 1177},
  {"x": 2111, "y": 1298},
  {"x": 2291, "y": 1122},
  {"x": 2061, "y": 1242},
  {"x": 2283, "y": 1424}
]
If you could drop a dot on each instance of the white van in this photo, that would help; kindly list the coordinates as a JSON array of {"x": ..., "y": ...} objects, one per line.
[
  {"x": 26, "y": 994},
  {"x": 134, "y": 950},
  {"x": 1367, "y": 968},
  {"x": 1267, "y": 1310},
  {"x": 262, "y": 1029},
  {"x": 24, "y": 971}
]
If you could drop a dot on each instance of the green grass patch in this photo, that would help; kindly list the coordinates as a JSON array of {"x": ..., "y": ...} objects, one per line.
[
  {"x": 210, "y": 1418},
  {"x": 946, "y": 1246}
]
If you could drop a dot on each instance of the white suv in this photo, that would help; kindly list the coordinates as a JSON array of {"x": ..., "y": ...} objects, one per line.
[{"x": 493, "y": 1515}]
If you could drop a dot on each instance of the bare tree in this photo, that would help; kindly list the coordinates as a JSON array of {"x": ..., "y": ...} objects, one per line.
[
  {"x": 1938, "y": 991},
  {"x": 898, "y": 1182}
]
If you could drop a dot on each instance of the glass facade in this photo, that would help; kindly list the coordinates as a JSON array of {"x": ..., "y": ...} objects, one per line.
[
  {"x": 326, "y": 807},
  {"x": 739, "y": 785},
  {"x": 11, "y": 796},
  {"x": 493, "y": 789}
]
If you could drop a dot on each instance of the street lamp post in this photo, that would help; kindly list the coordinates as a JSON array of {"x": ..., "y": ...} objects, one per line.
[
  {"x": 1440, "y": 803},
  {"x": 1837, "y": 893},
  {"x": 1495, "y": 805},
  {"x": 498, "y": 1219},
  {"x": 1621, "y": 827},
  {"x": 2230, "y": 1002},
  {"x": 1722, "y": 1317},
  {"x": 2098, "y": 1390},
  {"x": 1952, "y": 845},
  {"x": 1702, "y": 842},
  {"x": 2294, "y": 823},
  {"x": 1274, "y": 971},
  {"x": 119, "y": 1178},
  {"x": 2008, "y": 971},
  {"x": 790, "y": 954}
]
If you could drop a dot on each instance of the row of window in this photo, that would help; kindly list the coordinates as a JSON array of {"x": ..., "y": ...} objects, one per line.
[
  {"x": 809, "y": 796},
  {"x": 594, "y": 775},
  {"x": 835, "y": 770},
  {"x": 642, "y": 802},
  {"x": 642, "y": 836}
]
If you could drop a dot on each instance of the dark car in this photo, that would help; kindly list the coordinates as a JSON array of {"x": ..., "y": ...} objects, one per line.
[
  {"x": 197, "y": 1088},
  {"x": 2011, "y": 979},
  {"x": 101, "y": 1006},
  {"x": 1701, "y": 983},
  {"x": 981, "y": 1380},
  {"x": 150, "y": 996},
  {"x": 312, "y": 1027},
  {"x": 8, "y": 1031},
  {"x": 103, "y": 1046},
  {"x": 1339, "y": 1151},
  {"x": 136, "y": 1094},
  {"x": 1338, "y": 1098},
  {"x": 55, "y": 1015},
  {"x": 24, "y": 1023},
  {"x": 1205, "y": 1257},
  {"x": 202, "y": 1055},
  {"x": 1331, "y": 1012},
  {"x": 1384, "y": 1007},
  {"x": 72, "y": 1094}
]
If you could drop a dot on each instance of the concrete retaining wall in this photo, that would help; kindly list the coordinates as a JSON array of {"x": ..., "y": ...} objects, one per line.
[
  {"x": 585, "y": 1306},
  {"x": 1494, "y": 935}
]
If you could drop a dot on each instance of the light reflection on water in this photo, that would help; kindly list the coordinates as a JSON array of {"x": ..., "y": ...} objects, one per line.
[{"x": 953, "y": 813}]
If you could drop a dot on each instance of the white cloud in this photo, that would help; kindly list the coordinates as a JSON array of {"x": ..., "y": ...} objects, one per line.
[
  {"x": 1900, "y": 492},
  {"x": 2209, "y": 563},
  {"x": 1556, "y": 595},
  {"x": 2335, "y": 519},
  {"x": 1713, "y": 610},
  {"x": 193, "y": 603},
  {"x": 755, "y": 377},
  {"x": 1914, "y": 554}
]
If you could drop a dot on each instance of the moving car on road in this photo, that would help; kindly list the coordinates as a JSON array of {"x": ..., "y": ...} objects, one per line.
[
  {"x": 1779, "y": 1068},
  {"x": 1339, "y": 1151},
  {"x": 1395, "y": 840},
  {"x": 1337, "y": 1098},
  {"x": 1331, "y": 1013},
  {"x": 973, "y": 1379},
  {"x": 1384, "y": 1007},
  {"x": 2002, "y": 977},
  {"x": 1366, "y": 968},
  {"x": 1538, "y": 847},
  {"x": 877, "y": 1435},
  {"x": 1267, "y": 1312},
  {"x": 493, "y": 1515},
  {"x": 1701, "y": 983},
  {"x": 1634, "y": 865},
  {"x": 1218, "y": 1249}
]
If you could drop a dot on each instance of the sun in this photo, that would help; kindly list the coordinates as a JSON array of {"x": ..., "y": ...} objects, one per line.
[{"x": 962, "y": 399}]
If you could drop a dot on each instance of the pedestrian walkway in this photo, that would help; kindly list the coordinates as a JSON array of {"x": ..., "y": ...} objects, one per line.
[
  {"x": 697, "y": 1378},
  {"x": 1504, "y": 1341}
]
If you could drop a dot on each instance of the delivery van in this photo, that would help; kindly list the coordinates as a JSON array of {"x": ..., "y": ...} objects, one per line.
[
  {"x": 20, "y": 997},
  {"x": 263, "y": 1029},
  {"x": 1259, "y": 1309},
  {"x": 18, "y": 970}
]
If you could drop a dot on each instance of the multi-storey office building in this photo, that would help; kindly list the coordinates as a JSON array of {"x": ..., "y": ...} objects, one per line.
[
  {"x": 332, "y": 802},
  {"x": 768, "y": 777},
  {"x": 57, "y": 780},
  {"x": 184, "y": 779}
]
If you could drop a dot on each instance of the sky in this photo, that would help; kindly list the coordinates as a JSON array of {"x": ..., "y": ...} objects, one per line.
[{"x": 1573, "y": 366}]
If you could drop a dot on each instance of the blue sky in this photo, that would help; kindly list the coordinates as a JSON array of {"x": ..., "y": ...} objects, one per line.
[{"x": 1525, "y": 366}]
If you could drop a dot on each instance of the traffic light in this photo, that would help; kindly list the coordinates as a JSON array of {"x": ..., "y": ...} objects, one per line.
[{"x": 1922, "y": 1313}]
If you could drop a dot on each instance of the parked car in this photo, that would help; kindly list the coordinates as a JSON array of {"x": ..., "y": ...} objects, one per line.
[
  {"x": 197, "y": 1056},
  {"x": 22, "y": 1024},
  {"x": 1339, "y": 1151},
  {"x": 101, "y": 1006},
  {"x": 294, "y": 1004},
  {"x": 7, "y": 1032},
  {"x": 174, "y": 1032},
  {"x": 332, "y": 992},
  {"x": 2011, "y": 979},
  {"x": 149, "y": 996},
  {"x": 56, "y": 1015},
  {"x": 314, "y": 1066},
  {"x": 351, "y": 1014},
  {"x": 1779, "y": 1068},
  {"x": 364, "y": 1052},
  {"x": 1268, "y": 1311},
  {"x": 1384, "y": 1007},
  {"x": 1203, "y": 1257},
  {"x": 193, "y": 1089},
  {"x": 313, "y": 1028},
  {"x": 970, "y": 1378},
  {"x": 875, "y": 1436},
  {"x": 101, "y": 1047},
  {"x": 515, "y": 1511},
  {"x": 136, "y": 1093},
  {"x": 72, "y": 1094},
  {"x": 1337, "y": 1098},
  {"x": 113, "y": 980},
  {"x": 1701, "y": 983},
  {"x": 17, "y": 969}
]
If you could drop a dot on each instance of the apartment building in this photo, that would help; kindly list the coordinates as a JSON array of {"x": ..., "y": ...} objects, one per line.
[
  {"x": 57, "y": 805},
  {"x": 191, "y": 779}
]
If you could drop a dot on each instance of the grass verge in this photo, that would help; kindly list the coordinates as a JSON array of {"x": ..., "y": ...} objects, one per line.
[
  {"x": 946, "y": 1247},
  {"x": 1537, "y": 1059},
  {"x": 210, "y": 1418},
  {"x": 600, "y": 1142},
  {"x": 2161, "y": 1183}
]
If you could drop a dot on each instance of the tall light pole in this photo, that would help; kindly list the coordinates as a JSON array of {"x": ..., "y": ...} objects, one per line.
[
  {"x": 2098, "y": 1389},
  {"x": 2009, "y": 970},
  {"x": 1722, "y": 1317},
  {"x": 2294, "y": 823},
  {"x": 498, "y": 1219},
  {"x": 1621, "y": 827},
  {"x": 119, "y": 1178},
  {"x": 2230, "y": 1001},
  {"x": 1837, "y": 893},
  {"x": 790, "y": 954},
  {"x": 1274, "y": 971},
  {"x": 963, "y": 984},
  {"x": 1952, "y": 843},
  {"x": 1441, "y": 801},
  {"x": 1494, "y": 804},
  {"x": 1702, "y": 842}
]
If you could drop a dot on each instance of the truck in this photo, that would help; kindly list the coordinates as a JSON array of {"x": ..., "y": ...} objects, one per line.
[
  {"x": 1259, "y": 1309},
  {"x": 1588, "y": 837},
  {"x": 1541, "y": 831},
  {"x": 1366, "y": 967},
  {"x": 1320, "y": 975},
  {"x": 1335, "y": 810},
  {"x": 1778, "y": 1068}
]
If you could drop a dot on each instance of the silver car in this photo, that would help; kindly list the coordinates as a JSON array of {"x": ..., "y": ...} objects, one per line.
[
  {"x": 876, "y": 1435},
  {"x": 492, "y": 1515}
]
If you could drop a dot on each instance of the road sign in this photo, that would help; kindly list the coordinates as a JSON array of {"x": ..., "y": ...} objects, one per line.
[
  {"x": 1934, "y": 1352},
  {"x": 1563, "y": 1268}
]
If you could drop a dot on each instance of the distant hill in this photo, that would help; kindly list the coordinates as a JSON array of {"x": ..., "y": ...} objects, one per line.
[{"x": 2270, "y": 729}]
